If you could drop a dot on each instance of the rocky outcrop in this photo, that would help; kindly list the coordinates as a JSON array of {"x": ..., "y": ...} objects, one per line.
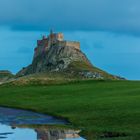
[
  {"x": 5, "y": 75},
  {"x": 57, "y": 58}
]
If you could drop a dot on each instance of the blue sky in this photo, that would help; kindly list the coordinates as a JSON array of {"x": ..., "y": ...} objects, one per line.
[{"x": 109, "y": 31}]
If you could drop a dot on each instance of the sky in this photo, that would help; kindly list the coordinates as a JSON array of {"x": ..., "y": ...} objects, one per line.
[{"x": 108, "y": 30}]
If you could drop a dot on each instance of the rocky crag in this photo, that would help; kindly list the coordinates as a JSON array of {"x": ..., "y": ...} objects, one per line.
[
  {"x": 56, "y": 55},
  {"x": 5, "y": 75}
]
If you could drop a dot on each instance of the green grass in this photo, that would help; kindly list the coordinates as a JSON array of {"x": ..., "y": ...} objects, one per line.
[
  {"x": 93, "y": 106},
  {"x": 83, "y": 66}
]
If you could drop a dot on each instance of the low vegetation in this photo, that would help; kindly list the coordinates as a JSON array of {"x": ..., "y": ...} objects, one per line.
[
  {"x": 77, "y": 66},
  {"x": 101, "y": 109}
]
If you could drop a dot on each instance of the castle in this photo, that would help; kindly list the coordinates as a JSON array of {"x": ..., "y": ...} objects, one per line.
[{"x": 53, "y": 40}]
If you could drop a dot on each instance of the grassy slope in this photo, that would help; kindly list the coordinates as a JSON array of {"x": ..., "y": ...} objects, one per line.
[
  {"x": 94, "y": 106},
  {"x": 82, "y": 66},
  {"x": 66, "y": 76},
  {"x": 45, "y": 78}
]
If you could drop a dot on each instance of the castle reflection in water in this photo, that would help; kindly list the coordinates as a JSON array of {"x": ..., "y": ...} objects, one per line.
[{"x": 56, "y": 134}]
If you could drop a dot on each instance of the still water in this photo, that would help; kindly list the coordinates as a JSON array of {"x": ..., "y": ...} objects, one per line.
[{"x": 26, "y": 125}]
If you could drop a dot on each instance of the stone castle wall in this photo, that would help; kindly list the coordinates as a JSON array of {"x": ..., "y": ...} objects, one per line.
[
  {"x": 60, "y": 36},
  {"x": 54, "y": 40},
  {"x": 73, "y": 44},
  {"x": 44, "y": 46}
]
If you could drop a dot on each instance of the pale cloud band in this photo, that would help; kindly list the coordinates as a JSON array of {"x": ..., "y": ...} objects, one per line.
[{"x": 104, "y": 15}]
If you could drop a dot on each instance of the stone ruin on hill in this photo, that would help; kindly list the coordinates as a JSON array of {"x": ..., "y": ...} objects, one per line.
[{"x": 53, "y": 40}]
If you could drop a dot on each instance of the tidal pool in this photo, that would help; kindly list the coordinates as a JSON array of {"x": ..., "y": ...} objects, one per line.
[{"x": 18, "y": 124}]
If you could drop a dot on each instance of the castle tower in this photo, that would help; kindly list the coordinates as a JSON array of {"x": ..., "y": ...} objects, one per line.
[{"x": 51, "y": 38}]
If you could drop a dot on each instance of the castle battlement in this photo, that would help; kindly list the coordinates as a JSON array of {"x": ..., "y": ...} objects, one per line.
[
  {"x": 53, "y": 40},
  {"x": 73, "y": 44}
]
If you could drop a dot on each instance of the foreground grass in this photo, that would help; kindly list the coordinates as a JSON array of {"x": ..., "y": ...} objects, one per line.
[{"x": 93, "y": 106}]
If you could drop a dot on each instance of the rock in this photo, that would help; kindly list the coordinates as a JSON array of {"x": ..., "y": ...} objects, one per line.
[
  {"x": 89, "y": 74},
  {"x": 5, "y": 75}
]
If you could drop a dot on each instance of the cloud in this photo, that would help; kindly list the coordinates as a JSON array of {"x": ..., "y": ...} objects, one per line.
[{"x": 104, "y": 15}]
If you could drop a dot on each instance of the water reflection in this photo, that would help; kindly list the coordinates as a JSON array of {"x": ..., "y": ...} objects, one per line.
[
  {"x": 39, "y": 133},
  {"x": 16, "y": 116},
  {"x": 56, "y": 134},
  {"x": 25, "y": 125}
]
